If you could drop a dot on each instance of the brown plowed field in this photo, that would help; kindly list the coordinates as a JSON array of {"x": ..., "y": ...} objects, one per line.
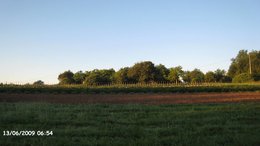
[{"x": 167, "y": 98}]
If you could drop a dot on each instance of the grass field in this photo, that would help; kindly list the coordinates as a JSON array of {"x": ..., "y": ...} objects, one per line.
[{"x": 132, "y": 124}]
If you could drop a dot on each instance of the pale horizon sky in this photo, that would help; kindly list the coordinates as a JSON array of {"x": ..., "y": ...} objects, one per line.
[{"x": 39, "y": 39}]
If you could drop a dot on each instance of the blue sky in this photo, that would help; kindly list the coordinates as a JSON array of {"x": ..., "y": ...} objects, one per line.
[{"x": 41, "y": 38}]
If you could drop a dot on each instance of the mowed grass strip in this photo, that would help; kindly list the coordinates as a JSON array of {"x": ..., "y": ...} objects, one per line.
[{"x": 103, "y": 124}]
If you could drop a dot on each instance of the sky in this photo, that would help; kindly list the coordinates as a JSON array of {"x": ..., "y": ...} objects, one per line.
[{"x": 39, "y": 39}]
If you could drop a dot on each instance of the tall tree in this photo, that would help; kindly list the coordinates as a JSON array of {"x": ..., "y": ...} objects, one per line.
[
  {"x": 106, "y": 75},
  {"x": 142, "y": 72},
  {"x": 255, "y": 64},
  {"x": 66, "y": 78},
  {"x": 79, "y": 77},
  {"x": 220, "y": 75},
  {"x": 210, "y": 77},
  {"x": 161, "y": 73},
  {"x": 197, "y": 76},
  {"x": 176, "y": 74},
  {"x": 93, "y": 78},
  {"x": 121, "y": 75},
  {"x": 98, "y": 77},
  {"x": 186, "y": 76},
  {"x": 240, "y": 64}
]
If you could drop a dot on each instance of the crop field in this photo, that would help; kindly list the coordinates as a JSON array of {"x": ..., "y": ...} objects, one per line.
[
  {"x": 132, "y": 124},
  {"x": 131, "y": 88}
]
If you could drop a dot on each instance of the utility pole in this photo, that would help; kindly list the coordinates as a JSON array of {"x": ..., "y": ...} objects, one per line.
[{"x": 250, "y": 65}]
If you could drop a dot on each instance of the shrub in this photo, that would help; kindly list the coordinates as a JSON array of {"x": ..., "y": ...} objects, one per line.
[
  {"x": 256, "y": 77},
  {"x": 242, "y": 78},
  {"x": 38, "y": 83}
]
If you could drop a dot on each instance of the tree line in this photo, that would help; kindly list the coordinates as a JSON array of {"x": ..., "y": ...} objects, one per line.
[{"x": 148, "y": 72}]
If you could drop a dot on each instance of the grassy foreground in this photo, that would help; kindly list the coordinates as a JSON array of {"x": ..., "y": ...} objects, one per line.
[{"x": 207, "y": 124}]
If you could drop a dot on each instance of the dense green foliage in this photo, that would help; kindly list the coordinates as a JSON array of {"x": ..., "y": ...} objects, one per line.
[
  {"x": 208, "y": 125},
  {"x": 121, "y": 76},
  {"x": 240, "y": 64},
  {"x": 66, "y": 78},
  {"x": 142, "y": 72},
  {"x": 242, "y": 78},
  {"x": 131, "y": 88},
  {"x": 79, "y": 77},
  {"x": 147, "y": 72},
  {"x": 38, "y": 83},
  {"x": 217, "y": 76},
  {"x": 210, "y": 77},
  {"x": 162, "y": 73},
  {"x": 100, "y": 77},
  {"x": 196, "y": 76},
  {"x": 175, "y": 74}
]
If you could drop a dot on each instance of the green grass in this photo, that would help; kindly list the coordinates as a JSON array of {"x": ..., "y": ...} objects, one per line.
[
  {"x": 131, "y": 88},
  {"x": 102, "y": 124}
]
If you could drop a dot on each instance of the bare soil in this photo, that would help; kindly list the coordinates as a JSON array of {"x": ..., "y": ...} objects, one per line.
[{"x": 169, "y": 98}]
